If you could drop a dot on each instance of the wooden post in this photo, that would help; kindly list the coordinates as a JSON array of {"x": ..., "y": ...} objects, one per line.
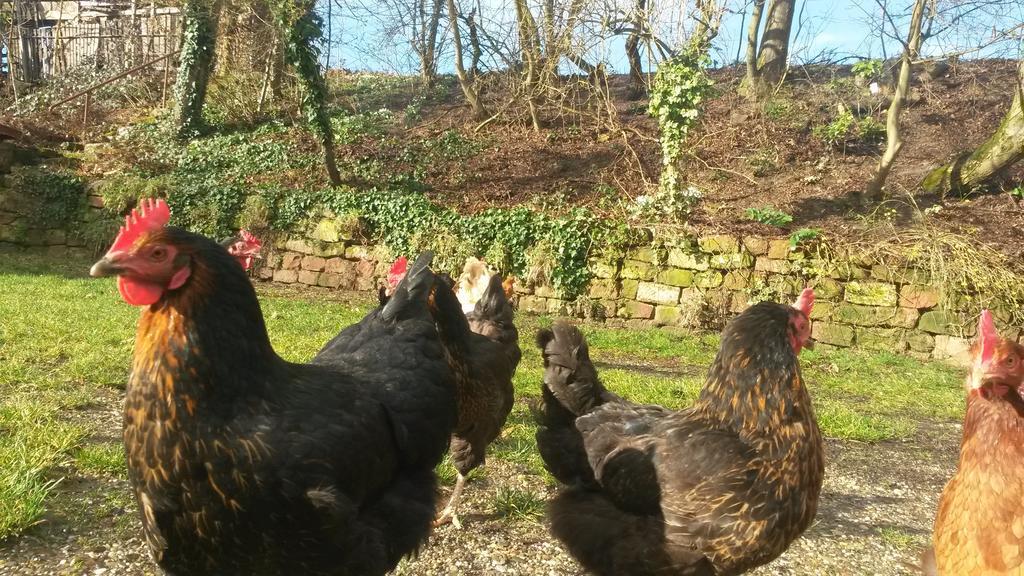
[
  {"x": 163, "y": 96},
  {"x": 85, "y": 114}
]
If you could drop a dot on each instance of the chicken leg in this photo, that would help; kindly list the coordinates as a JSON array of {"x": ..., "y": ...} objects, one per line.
[{"x": 449, "y": 514}]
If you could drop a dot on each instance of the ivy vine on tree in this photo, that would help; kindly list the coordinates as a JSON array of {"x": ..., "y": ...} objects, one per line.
[
  {"x": 680, "y": 88},
  {"x": 302, "y": 29},
  {"x": 196, "y": 63}
]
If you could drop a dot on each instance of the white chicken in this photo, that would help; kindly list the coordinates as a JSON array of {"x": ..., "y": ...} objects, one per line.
[{"x": 472, "y": 283}]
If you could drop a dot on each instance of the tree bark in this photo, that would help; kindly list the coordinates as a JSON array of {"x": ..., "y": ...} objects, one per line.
[
  {"x": 472, "y": 96},
  {"x": 753, "y": 79},
  {"x": 636, "y": 74},
  {"x": 428, "y": 48},
  {"x": 477, "y": 51},
  {"x": 893, "y": 131},
  {"x": 529, "y": 40},
  {"x": 26, "y": 18},
  {"x": 774, "y": 51},
  {"x": 1003, "y": 149}
]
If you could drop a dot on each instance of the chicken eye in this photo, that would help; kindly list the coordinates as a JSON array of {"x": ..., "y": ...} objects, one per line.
[
  {"x": 158, "y": 254},
  {"x": 1011, "y": 361}
]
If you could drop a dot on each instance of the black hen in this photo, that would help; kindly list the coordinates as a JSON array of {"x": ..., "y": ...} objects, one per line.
[
  {"x": 245, "y": 464},
  {"x": 719, "y": 488}
]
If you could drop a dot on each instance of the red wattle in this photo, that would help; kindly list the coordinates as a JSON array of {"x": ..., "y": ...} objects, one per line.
[{"x": 137, "y": 292}]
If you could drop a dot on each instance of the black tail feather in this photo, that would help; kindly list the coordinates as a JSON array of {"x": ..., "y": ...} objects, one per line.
[
  {"x": 568, "y": 371},
  {"x": 571, "y": 389},
  {"x": 494, "y": 317},
  {"x": 415, "y": 287}
]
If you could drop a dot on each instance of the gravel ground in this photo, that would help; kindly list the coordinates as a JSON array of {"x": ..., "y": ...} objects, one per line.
[{"x": 876, "y": 511}]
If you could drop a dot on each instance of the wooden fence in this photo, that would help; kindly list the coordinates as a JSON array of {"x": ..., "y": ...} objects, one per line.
[{"x": 38, "y": 53}]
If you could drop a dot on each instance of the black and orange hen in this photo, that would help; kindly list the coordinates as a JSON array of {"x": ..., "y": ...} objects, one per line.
[
  {"x": 717, "y": 489},
  {"x": 244, "y": 463}
]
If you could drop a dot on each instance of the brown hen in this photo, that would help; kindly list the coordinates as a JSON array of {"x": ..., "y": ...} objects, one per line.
[
  {"x": 979, "y": 529},
  {"x": 716, "y": 489}
]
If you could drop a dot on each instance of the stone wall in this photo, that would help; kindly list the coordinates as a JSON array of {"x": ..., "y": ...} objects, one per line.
[
  {"x": 331, "y": 262},
  {"x": 699, "y": 283},
  {"x": 17, "y": 232},
  {"x": 692, "y": 283}
]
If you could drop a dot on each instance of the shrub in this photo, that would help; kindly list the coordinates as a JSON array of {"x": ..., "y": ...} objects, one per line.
[
  {"x": 867, "y": 69},
  {"x": 667, "y": 204},
  {"x": 804, "y": 235},
  {"x": 768, "y": 215},
  {"x": 846, "y": 129}
]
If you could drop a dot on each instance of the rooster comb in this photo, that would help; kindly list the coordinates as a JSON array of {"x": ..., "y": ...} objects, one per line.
[
  {"x": 151, "y": 214},
  {"x": 805, "y": 302},
  {"x": 987, "y": 336},
  {"x": 249, "y": 238},
  {"x": 400, "y": 266}
]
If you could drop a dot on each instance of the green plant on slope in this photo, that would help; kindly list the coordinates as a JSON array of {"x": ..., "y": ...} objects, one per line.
[
  {"x": 845, "y": 128},
  {"x": 803, "y": 235},
  {"x": 867, "y": 69},
  {"x": 768, "y": 215},
  {"x": 680, "y": 88}
]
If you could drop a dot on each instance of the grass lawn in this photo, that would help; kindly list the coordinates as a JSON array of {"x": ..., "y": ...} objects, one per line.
[{"x": 66, "y": 339}]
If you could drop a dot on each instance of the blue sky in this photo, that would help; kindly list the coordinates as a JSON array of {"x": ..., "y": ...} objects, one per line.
[{"x": 843, "y": 27}]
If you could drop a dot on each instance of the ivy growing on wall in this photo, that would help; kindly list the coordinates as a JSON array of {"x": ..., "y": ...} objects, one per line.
[
  {"x": 196, "y": 62},
  {"x": 302, "y": 29}
]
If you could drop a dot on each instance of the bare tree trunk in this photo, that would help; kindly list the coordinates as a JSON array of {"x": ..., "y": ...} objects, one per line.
[
  {"x": 474, "y": 44},
  {"x": 428, "y": 48},
  {"x": 25, "y": 12},
  {"x": 636, "y": 74},
  {"x": 136, "y": 38},
  {"x": 268, "y": 73},
  {"x": 472, "y": 96},
  {"x": 893, "y": 132},
  {"x": 774, "y": 51},
  {"x": 561, "y": 43},
  {"x": 530, "y": 42},
  {"x": 753, "y": 79},
  {"x": 1003, "y": 149}
]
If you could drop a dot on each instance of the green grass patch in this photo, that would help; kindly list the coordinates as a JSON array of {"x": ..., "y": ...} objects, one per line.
[
  {"x": 518, "y": 504},
  {"x": 898, "y": 538},
  {"x": 102, "y": 458},
  {"x": 32, "y": 441}
]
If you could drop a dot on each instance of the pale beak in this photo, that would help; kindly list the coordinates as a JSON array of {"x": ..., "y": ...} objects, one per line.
[{"x": 106, "y": 266}]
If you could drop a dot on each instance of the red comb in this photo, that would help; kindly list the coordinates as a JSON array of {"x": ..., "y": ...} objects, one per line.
[
  {"x": 987, "y": 336},
  {"x": 151, "y": 214},
  {"x": 397, "y": 271},
  {"x": 250, "y": 238},
  {"x": 805, "y": 302}
]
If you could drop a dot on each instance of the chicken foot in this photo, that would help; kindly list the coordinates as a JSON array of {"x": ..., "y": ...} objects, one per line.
[{"x": 448, "y": 514}]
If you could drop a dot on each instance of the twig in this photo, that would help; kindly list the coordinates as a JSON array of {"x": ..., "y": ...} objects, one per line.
[{"x": 720, "y": 169}]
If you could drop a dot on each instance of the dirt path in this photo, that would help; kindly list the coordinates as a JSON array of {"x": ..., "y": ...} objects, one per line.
[{"x": 876, "y": 511}]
